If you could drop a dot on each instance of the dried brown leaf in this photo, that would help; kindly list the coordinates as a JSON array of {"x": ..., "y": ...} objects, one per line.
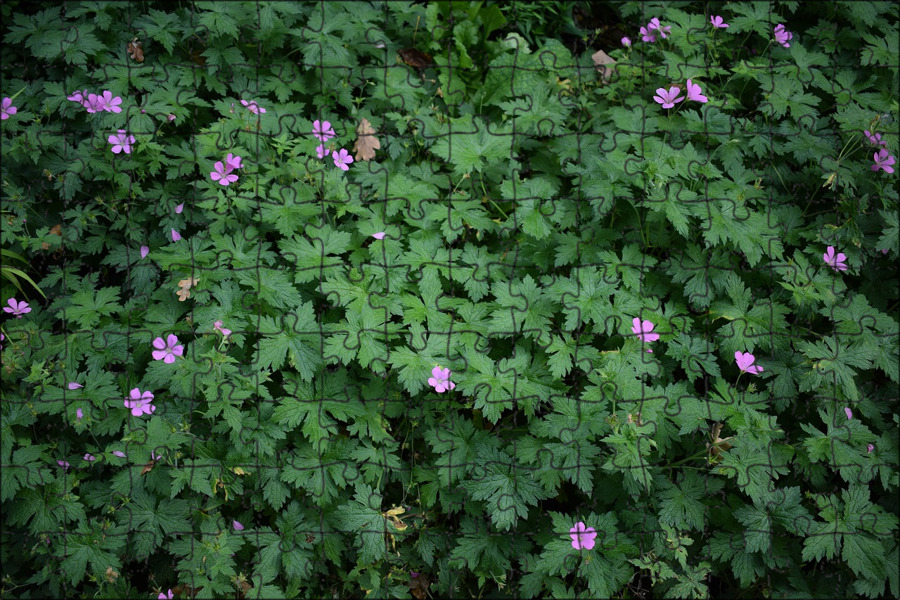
[
  {"x": 186, "y": 284},
  {"x": 366, "y": 144},
  {"x": 602, "y": 61},
  {"x": 136, "y": 50}
]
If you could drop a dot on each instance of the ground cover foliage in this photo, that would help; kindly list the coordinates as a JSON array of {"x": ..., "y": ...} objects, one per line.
[{"x": 541, "y": 326}]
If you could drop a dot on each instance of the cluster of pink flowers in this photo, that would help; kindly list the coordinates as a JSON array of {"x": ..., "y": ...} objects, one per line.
[
  {"x": 647, "y": 34},
  {"x": 96, "y": 103},
  {"x": 875, "y": 139},
  {"x": 223, "y": 172},
  {"x": 669, "y": 97},
  {"x": 121, "y": 142},
  {"x": 7, "y": 109},
  {"x": 323, "y": 131},
  {"x": 16, "y": 308}
]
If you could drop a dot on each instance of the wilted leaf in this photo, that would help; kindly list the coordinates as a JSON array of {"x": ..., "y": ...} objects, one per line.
[
  {"x": 415, "y": 58},
  {"x": 136, "y": 50},
  {"x": 601, "y": 61},
  {"x": 366, "y": 144},
  {"x": 185, "y": 284}
]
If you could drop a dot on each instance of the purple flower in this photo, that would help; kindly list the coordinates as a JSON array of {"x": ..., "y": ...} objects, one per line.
[
  {"x": 145, "y": 250},
  {"x": 626, "y": 41},
  {"x": 140, "y": 403},
  {"x": 233, "y": 162},
  {"x": 77, "y": 96},
  {"x": 782, "y": 35},
  {"x": 121, "y": 142},
  {"x": 848, "y": 412},
  {"x": 79, "y": 414},
  {"x": 321, "y": 151},
  {"x": 2, "y": 337},
  {"x": 342, "y": 160},
  {"x": 16, "y": 308},
  {"x": 237, "y": 526},
  {"x": 167, "y": 350},
  {"x": 869, "y": 448},
  {"x": 164, "y": 596},
  {"x": 582, "y": 537},
  {"x": 92, "y": 103},
  {"x": 179, "y": 208},
  {"x": 440, "y": 380},
  {"x": 223, "y": 175},
  {"x": 885, "y": 251},
  {"x": 668, "y": 98},
  {"x": 175, "y": 235},
  {"x": 379, "y": 235},
  {"x": 64, "y": 464},
  {"x": 253, "y": 107},
  {"x": 835, "y": 262},
  {"x": 7, "y": 109},
  {"x": 119, "y": 453},
  {"x": 745, "y": 363},
  {"x": 108, "y": 103},
  {"x": 646, "y": 35},
  {"x": 171, "y": 117},
  {"x": 654, "y": 24},
  {"x": 74, "y": 385},
  {"x": 694, "y": 92},
  {"x": 875, "y": 138},
  {"x": 218, "y": 327},
  {"x": 90, "y": 457},
  {"x": 323, "y": 131},
  {"x": 883, "y": 160},
  {"x": 718, "y": 22}
]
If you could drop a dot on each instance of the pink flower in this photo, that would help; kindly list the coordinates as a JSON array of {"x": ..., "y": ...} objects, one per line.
[
  {"x": 17, "y": 308},
  {"x": 668, "y": 98},
  {"x": 321, "y": 151},
  {"x": 108, "y": 103},
  {"x": 323, "y": 130},
  {"x": 718, "y": 22},
  {"x": 74, "y": 385},
  {"x": 875, "y": 138},
  {"x": 77, "y": 96},
  {"x": 233, "y": 162},
  {"x": 626, "y": 41},
  {"x": 145, "y": 250},
  {"x": 64, "y": 464},
  {"x": 745, "y": 363},
  {"x": 694, "y": 92},
  {"x": 166, "y": 351},
  {"x": 164, "y": 596},
  {"x": 342, "y": 160},
  {"x": 654, "y": 24},
  {"x": 171, "y": 117},
  {"x": 237, "y": 526},
  {"x": 883, "y": 160},
  {"x": 379, "y": 235},
  {"x": 848, "y": 412},
  {"x": 92, "y": 103},
  {"x": 90, "y": 457},
  {"x": 440, "y": 380},
  {"x": 121, "y": 142},
  {"x": 2, "y": 337},
  {"x": 218, "y": 327},
  {"x": 835, "y": 262},
  {"x": 175, "y": 236},
  {"x": 869, "y": 448},
  {"x": 253, "y": 107},
  {"x": 582, "y": 537},
  {"x": 642, "y": 329},
  {"x": 119, "y": 453},
  {"x": 139, "y": 403},
  {"x": 79, "y": 414},
  {"x": 223, "y": 175},
  {"x": 646, "y": 35},
  {"x": 7, "y": 109},
  {"x": 782, "y": 35},
  {"x": 885, "y": 251},
  {"x": 179, "y": 208}
]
